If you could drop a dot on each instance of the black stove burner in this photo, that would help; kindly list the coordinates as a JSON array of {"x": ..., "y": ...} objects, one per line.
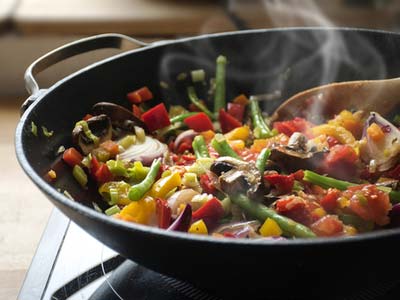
[{"x": 69, "y": 265}]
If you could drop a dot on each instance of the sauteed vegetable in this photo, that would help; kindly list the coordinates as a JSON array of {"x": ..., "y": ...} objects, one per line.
[{"x": 222, "y": 168}]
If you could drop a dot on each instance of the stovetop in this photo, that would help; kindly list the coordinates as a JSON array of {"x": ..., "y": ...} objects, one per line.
[{"x": 70, "y": 264}]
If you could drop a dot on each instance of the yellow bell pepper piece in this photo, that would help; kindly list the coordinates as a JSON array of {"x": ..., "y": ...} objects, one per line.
[
  {"x": 236, "y": 144},
  {"x": 319, "y": 212},
  {"x": 260, "y": 144},
  {"x": 142, "y": 211},
  {"x": 348, "y": 120},
  {"x": 198, "y": 227},
  {"x": 270, "y": 228},
  {"x": 208, "y": 135},
  {"x": 164, "y": 185},
  {"x": 240, "y": 133},
  {"x": 338, "y": 132}
]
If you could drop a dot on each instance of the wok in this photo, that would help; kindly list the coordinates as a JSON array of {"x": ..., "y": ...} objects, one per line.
[{"x": 289, "y": 60}]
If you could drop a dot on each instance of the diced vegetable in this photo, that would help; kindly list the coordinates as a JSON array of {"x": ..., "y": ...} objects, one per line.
[
  {"x": 199, "y": 122},
  {"x": 141, "y": 211},
  {"x": 210, "y": 212},
  {"x": 198, "y": 75},
  {"x": 270, "y": 228},
  {"x": 137, "y": 191},
  {"x": 236, "y": 111},
  {"x": 72, "y": 157},
  {"x": 200, "y": 147},
  {"x": 164, "y": 185},
  {"x": 261, "y": 130},
  {"x": 141, "y": 95},
  {"x": 156, "y": 117},
  {"x": 227, "y": 122},
  {"x": 195, "y": 100},
  {"x": 163, "y": 213},
  {"x": 80, "y": 175},
  {"x": 198, "y": 227},
  {"x": 220, "y": 145},
  {"x": 34, "y": 129},
  {"x": 112, "y": 210}
]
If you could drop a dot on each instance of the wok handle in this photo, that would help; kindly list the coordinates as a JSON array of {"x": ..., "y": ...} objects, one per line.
[{"x": 108, "y": 40}]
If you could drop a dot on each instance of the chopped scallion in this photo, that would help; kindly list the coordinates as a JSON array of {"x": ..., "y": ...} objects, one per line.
[
  {"x": 198, "y": 75},
  {"x": 34, "y": 128},
  {"x": 112, "y": 210},
  {"x": 46, "y": 132},
  {"x": 80, "y": 175}
]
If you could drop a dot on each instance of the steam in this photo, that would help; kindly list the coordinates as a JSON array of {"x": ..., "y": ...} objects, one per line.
[{"x": 290, "y": 61}]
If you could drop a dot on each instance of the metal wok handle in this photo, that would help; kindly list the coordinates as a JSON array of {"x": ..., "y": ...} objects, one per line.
[{"x": 108, "y": 40}]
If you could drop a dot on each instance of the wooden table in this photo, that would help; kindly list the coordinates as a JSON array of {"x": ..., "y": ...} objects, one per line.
[{"x": 25, "y": 209}]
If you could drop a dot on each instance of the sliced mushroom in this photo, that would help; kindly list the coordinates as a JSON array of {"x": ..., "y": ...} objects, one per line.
[
  {"x": 100, "y": 130},
  {"x": 292, "y": 159},
  {"x": 236, "y": 176},
  {"x": 225, "y": 164},
  {"x": 121, "y": 118}
]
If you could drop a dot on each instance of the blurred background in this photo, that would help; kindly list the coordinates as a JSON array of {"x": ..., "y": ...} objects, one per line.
[{"x": 30, "y": 28}]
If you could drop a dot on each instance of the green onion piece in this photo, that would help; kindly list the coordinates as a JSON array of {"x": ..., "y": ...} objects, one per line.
[
  {"x": 46, "y": 132},
  {"x": 137, "y": 191},
  {"x": 220, "y": 145},
  {"x": 198, "y": 75},
  {"x": 86, "y": 161},
  {"x": 80, "y": 175},
  {"x": 112, "y": 210},
  {"x": 181, "y": 76},
  {"x": 117, "y": 168},
  {"x": 113, "y": 196},
  {"x": 182, "y": 117},
  {"x": 34, "y": 129},
  {"x": 60, "y": 149},
  {"x": 164, "y": 85},
  {"x": 195, "y": 100},
  {"x": 219, "y": 96},
  {"x": 87, "y": 131}
]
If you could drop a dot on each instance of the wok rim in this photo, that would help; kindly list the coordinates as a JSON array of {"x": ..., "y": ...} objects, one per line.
[{"x": 91, "y": 213}]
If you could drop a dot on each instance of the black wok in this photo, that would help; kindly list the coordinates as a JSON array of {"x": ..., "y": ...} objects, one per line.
[{"x": 289, "y": 60}]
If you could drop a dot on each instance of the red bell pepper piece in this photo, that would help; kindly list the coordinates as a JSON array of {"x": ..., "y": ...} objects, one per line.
[
  {"x": 140, "y": 95},
  {"x": 94, "y": 165},
  {"x": 199, "y": 122},
  {"x": 236, "y": 111},
  {"x": 292, "y": 126},
  {"x": 284, "y": 183},
  {"x": 227, "y": 122},
  {"x": 210, "y": 212},
  {"x": 137, "y": 112},
  {"x": 72, "y": 157},
  {"x": 156, "y": 117},
  {"x": 163, "y": 212},
  {"x": 103, "y": 174}
]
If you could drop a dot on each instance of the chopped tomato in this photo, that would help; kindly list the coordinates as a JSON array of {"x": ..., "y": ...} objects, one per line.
[
  {"x": 283, "y": 183},
  {"x": 369, "y": 203},
  {"x": 236, "y": 111},
  {"x": 327, "y": 226},
  {"x": 292, "y": 126},
  {"x": 111, "y": 147},
  {"x": 72, "y": 157},
  {"x": 156, "y": 117},
  {"x": 329, "y": 201},
  {"x": 210, "y": 212},
  {"x": 341, "y": 162},
  {"x": 163, "y": 212},
  {"x": 207, "y": 184},
  {"x": 199, "y": 122},
  {"x": 295, "y": 208},
  {"x": 227, "y": 122},
  {"x": 140, "y": 95}
]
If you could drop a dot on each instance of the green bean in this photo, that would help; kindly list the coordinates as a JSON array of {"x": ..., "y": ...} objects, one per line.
[
  {"x": 329, "y": 182},
  {"x": 262, "y": 212},
  {"x": 219, "y": 96},
  {"x": 200, "y": 147},
  {"x": 262, "y": 160},
  {"x": 261, "y": 130},
  {"x": 182, "y": 117},
  {"x": 220, "y": 145},
  {"x": 137, "y": 191},
  {"x": 195, "y": 100}
]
